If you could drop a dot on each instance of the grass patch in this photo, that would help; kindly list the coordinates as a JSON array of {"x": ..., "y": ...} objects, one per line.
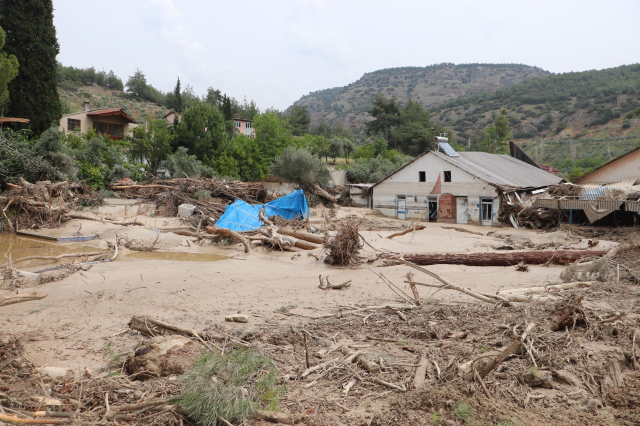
[
  {"x": 231, "y": 386},
  {"x": 113, "y": 355},
  {"x": 534, "y": 371},
  {"x": 435, "y": 418},
  {"x": 464, "y": 412},
  {"x": 482, "y": 348}
]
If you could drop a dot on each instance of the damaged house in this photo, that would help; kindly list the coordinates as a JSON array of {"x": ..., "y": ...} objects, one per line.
[{"x": 464, "y": 187}]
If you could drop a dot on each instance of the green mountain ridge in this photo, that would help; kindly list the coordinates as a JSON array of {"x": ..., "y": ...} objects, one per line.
[{"x": 432, "y": 85}]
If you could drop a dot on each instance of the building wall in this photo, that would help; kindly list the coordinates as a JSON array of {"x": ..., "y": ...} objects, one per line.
[
  {"x": 447, "y": 208},
  {"x": 86, "y": 122},
  {"x": 355, "y": 194},
  {"x": 243, "y": 127},
  {"x": 281, "y": 188},
  {"x": 406, "y": 182},
  {"x": 622, "y": 169}
]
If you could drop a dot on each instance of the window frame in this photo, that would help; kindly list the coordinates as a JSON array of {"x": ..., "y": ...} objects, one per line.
[
  {"x": 110, "y": 127},
  {"x": 77, "y": 128}
]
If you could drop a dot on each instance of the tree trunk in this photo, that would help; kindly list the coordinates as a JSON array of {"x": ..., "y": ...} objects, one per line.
[
  {"x": 324, "y": 194},
  {"x": 229, "y": 233},
  {"x": 10, "y": 299},
  {"x": 559, "y": 257},
  {"x": 302, "y": 235}
]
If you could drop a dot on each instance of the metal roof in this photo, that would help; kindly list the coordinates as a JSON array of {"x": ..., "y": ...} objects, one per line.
[{"x": 502, "y": 171}]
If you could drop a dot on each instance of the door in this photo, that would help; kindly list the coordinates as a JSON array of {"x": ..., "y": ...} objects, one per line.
[
  {"x": 401, "y": 206},
  {"x": 462, "y": 209},
  {"x": 486, "y": 211},
  {"x": 433, "y": 208}
]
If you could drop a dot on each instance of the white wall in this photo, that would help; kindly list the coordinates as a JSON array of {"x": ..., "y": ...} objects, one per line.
[
  {"x": 355, "y": 194},
  {"x": 406, "y": 182},
  {"x": 625, "y": 168}
]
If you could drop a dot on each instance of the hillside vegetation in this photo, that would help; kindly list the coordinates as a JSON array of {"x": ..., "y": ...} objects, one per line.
[
  {"x": 431, "y": 85},
  {"x": 590, "y": 104}
]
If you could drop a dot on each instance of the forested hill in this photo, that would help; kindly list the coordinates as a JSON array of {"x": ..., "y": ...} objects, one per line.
[
  {"x": 577, "y": 105},
  {"x": 431, "y": 85}
]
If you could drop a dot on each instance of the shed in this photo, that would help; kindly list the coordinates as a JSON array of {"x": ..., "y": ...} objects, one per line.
[{"x": 464, "y": 187}]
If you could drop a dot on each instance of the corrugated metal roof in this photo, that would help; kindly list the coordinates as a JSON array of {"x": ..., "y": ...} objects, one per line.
[{"x": 502, "y": 170}]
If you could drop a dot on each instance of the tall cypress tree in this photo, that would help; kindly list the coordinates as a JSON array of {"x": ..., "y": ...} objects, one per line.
[
  {"x": 31, "y": 37},
  {"x": 177, "y": 97}
]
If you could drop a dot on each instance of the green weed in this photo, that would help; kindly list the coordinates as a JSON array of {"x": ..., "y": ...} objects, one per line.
[
  {"x": 464, "y": 412},
  {"x": 401, "y": 342},
  {"x": 482, "y": 348},
  {"x": 534, "y": 370},
  {"x": 435, "y": 418}
]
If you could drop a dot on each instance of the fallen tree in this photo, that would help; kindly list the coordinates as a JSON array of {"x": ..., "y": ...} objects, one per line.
[{"x": 558, "y": 257}]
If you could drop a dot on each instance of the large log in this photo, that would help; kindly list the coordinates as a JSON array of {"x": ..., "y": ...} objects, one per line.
[
  {"x": 321, "y": 192},
  {"x": 559, "y": 257},
  {"x": 302, "y": 235}
]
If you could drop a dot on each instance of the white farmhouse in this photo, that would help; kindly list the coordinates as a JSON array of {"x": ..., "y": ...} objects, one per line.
[{"x": 463, "y": 187}]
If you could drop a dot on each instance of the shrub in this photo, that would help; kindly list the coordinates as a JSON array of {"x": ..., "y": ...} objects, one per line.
[
  {"x": 464, "y": 412},
  {"x": 231, "y": 386},
  {"x": 301, "y": 166},
  {"x": 181, "y": 164}
]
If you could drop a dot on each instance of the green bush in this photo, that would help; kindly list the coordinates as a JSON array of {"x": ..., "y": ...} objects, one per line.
[
  {"x": 231, "y": 386},
  {"x": 301, "y": 166}
]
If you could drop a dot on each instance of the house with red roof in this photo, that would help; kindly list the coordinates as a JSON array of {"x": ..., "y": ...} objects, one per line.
[{"x": 113, "y": 123}]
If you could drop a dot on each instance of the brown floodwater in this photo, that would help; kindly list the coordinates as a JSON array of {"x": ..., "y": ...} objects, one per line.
[
  {"x": 178, "y": 256},
  {"x": 19, "y": 247}
]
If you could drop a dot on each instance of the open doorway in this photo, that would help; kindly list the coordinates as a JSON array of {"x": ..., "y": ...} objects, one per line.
[
  {"x": 432, "y": 203},
  {"x": 486, "y": 211},
  {"x": 401, "y": 206}
]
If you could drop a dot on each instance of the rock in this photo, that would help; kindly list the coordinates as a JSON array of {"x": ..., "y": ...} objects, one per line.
[
  {"x": 563, "y": 376},
  {"x": 539, "y": 379},
  {"x": 237, "y": 318},
  {"x": 56, "y": 373},
  {"x": 163, "y": 356}
]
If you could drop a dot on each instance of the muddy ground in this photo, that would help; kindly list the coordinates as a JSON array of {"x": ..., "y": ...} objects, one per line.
[{"x": 581, "y": 374}]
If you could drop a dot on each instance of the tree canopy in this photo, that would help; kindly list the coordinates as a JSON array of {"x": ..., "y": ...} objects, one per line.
[
  {"x": 31, "y": 37},
  {"x": 8, "y": 69}
]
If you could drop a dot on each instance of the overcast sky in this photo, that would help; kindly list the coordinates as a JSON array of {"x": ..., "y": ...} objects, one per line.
[{"x": 274, "y": 51}]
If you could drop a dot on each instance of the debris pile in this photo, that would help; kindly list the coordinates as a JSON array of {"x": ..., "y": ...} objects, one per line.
[
  {"x": 169, "y": 194},
  {"x": 344, "y": 247},
  {"x": 43, "y": 204}
]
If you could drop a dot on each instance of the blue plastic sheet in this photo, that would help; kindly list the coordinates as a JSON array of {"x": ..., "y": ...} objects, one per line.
[{"x": 241, "y": 216}]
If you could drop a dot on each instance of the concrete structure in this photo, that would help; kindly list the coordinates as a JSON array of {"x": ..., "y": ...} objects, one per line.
[
  {"x": 170, "y": 117},
  {"x": 244, "y": 126},
  {"x": 114, "y": 123},
  {"x": 279, "y": 186},
  {"x": 360, "y": 193},
  {"x": 463, "y": 187},
  {"x": 624, "y": 168}
]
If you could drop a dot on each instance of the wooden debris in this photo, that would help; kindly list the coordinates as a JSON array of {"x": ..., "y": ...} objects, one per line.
[
  {"x": 326, "y": 285},
  {"x": 399, "y": 234},
  {"x": 539, "y": 257},
  {"x": 421, "y": 371},
  {"x": 10, "y": 299},
  {"x": 229, "y": 233}
]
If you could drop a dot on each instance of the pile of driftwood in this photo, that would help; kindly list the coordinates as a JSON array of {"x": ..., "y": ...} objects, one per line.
[
  {"x": 525, "y": 215},
  {"x": 169, "y": 194},
  {"x": 44, "y": 204}
]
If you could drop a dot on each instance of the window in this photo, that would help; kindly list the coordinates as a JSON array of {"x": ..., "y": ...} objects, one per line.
[
  {"x": 486, "y": 211},
  {"x": 114, "y": 131},
  {"x": 422, "y": 177},
  {"x": 238, "y": 124},
  {"x": 248, "y": 125},
  {"x": 447, "y": 176},
  {"x": 73, "y": 125}
]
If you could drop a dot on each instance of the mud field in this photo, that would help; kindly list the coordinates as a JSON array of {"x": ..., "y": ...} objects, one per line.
[{"x": 567, "y": 351}]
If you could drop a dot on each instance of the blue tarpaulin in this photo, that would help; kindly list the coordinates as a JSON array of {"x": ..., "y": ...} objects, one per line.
[{"x": 241, "y": 216}]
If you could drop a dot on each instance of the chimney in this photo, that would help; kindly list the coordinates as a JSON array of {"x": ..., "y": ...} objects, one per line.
[{"x": 86, "y": 105}]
